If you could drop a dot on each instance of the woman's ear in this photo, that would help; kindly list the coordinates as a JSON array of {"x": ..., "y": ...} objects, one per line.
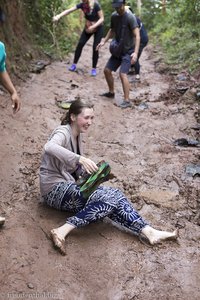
[{"x": 73, "y": 117}]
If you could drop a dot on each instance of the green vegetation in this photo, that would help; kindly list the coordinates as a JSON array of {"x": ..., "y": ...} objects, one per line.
[
  {"x": 172, "y": 25},
  {"x": 53, "y": 38}
]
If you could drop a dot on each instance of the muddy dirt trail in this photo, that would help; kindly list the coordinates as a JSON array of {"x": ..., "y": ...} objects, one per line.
[{"x": 102, "y": 261}]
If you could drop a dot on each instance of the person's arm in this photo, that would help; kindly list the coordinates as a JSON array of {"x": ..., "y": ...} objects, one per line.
[
  {"x": 99, "y": 22},
  {"x": 81, "y": 16},
  {"x": 64, "y": 13},
  {"x": 88, "y": 164},
  {"x": 8, "y": 85},
  {"x": 55, "y": 147},
  {"x": 108, "y": 36},
  {"x": 134, "y": 55}
]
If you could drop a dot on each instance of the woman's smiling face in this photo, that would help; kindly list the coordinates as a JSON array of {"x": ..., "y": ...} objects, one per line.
[{"x": 83, "y": 120}]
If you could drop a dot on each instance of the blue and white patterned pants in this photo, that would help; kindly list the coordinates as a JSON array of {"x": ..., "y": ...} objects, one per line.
[{"x": 104, "y": 202}]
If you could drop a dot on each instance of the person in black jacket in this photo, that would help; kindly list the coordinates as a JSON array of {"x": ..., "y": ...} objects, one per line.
[
  {"x": 143, "y": 42},
  {"x": 144, "y": 39}
]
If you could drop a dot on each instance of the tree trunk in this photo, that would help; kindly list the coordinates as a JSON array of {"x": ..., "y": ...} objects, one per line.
[
  {"x": 163, "y": 7},
  {"x": 139, "y": 5}
]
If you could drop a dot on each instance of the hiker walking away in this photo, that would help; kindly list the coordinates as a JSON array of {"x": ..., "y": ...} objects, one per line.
[
  {"x": 94, "y": 19},
  {"x": 8, "y": 85},
  {"x": 125, "y": 29},
  {"x": 144, "y": 39},
  {"x": 62, "y": 162}
]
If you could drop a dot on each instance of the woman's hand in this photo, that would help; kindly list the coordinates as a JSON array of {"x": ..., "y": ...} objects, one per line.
[
  {"x": 133, "y": 58},
  {"x": 16, "y": 103},
  {"x": 90, "y": 29},
  {"x": 101, "y": 44},
  {"x": 88, "y": 164},
  {"x": 56, "y": 18}
]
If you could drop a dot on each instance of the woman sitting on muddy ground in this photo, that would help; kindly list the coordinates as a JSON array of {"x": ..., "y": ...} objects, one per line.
[
  {"x": 93, "y": 26},
  {"x": 62, "y": 161}
]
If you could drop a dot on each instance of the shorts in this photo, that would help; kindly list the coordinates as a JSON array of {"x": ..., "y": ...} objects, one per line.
[{"x": 125, "y": 62}]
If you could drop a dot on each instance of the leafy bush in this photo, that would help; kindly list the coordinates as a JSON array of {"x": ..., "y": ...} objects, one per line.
[
  {"x": 54, "y": 38},
  {"x": 178, "y": 32}
]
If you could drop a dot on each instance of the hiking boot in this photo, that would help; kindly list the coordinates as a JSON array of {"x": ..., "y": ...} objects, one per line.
[
  {"x": 108, "y": 95},
  {"x": 72, "y": 68},
  {"x": 125, "y": 104},
  {"x": 93, "y": 72}
]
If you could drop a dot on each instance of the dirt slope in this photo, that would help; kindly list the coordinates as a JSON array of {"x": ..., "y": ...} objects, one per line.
[{"x": 103, "y": 262}]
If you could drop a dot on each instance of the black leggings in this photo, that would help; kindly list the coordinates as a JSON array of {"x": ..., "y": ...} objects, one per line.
[{"x": 83, "y": 40}]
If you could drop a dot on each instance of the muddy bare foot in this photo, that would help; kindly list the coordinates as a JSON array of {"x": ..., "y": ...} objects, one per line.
[
  {"x": 2, "y": 221},
  {"x": 58, "y": 241},
  {"x": 156, "y": 236}
]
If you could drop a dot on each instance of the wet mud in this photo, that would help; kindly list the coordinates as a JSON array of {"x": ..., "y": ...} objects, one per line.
[{"x": 103, "y": 261}]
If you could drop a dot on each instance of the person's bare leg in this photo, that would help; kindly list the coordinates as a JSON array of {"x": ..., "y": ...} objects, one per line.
[
  {"x": 59, "y": 234},
  {"x": 125, "y": 86},
  {"x": 109, "y": 79},
  {"x": 156, "y": 236}
]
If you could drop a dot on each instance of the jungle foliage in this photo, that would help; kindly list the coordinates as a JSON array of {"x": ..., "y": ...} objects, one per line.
[
  {"x": 171, "y": 24},
  {"x": 174, "y": 25}
]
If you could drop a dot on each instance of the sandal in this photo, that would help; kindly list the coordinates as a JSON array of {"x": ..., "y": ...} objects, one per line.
[{"x": 58, "y": 243}]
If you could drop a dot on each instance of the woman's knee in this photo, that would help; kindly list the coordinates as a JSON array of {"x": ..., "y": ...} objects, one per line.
[{"x": 105, "y": 192}]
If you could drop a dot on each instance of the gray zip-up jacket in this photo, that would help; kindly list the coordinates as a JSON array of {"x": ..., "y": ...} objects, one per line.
[{"x": 59, "y": 158}]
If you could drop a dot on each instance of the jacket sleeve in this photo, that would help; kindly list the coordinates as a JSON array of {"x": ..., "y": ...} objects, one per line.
[{"x": 59, "y": 147}]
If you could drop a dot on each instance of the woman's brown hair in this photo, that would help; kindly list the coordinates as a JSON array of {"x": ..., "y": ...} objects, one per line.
[{"x": 75, "y": 108}]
